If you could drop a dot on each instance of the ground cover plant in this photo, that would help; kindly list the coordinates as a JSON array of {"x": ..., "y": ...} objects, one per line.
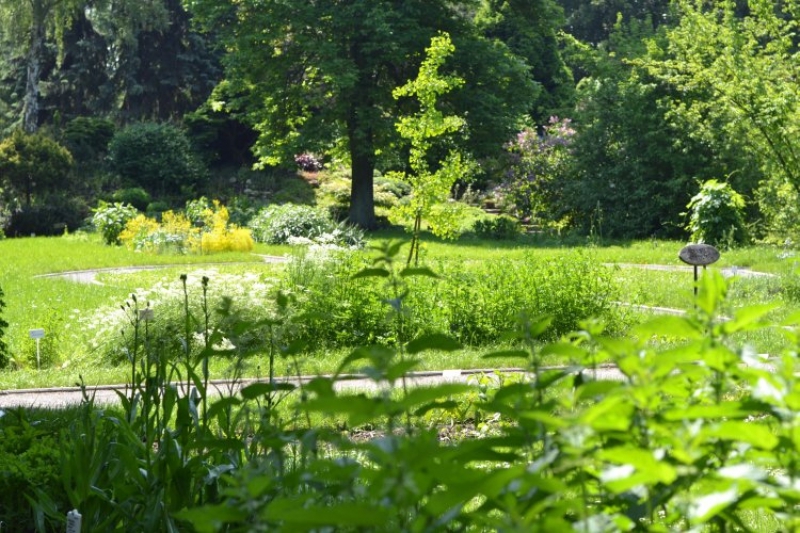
[{"x": 696, "y": 436}]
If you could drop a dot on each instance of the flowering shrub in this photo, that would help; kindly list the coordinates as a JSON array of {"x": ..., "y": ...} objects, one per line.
[
  {"x": 176, "y": 233},
  {"x": 535, "y": 166},
  {"x": 302, "y": 224},
  {"x": 110, "y": 220},
  {"x": 308, "y": 162}
]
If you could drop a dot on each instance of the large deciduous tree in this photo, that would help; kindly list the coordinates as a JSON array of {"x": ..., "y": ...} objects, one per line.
[{"x": 319, "y": 75}]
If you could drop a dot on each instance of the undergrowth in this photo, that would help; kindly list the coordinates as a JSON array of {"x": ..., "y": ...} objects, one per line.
[{"x": 699, "y": 436}]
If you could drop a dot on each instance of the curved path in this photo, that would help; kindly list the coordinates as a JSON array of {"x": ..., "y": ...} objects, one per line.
[{"x": 90, "y": 276}]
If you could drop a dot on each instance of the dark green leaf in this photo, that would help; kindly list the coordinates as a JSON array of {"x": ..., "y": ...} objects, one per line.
[
  {"x": 372, "y": 273},
  {"x": 433, "y": 341}
]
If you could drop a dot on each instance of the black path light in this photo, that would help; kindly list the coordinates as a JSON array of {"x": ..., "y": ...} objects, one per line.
[{"x": 698, "y": 255}]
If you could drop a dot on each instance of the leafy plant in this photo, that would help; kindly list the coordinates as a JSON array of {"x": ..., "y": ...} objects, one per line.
[
  {"x": 716, "y": 215},
  {"x": 534, "y": 167},
  {"x": 33, "y": 164},
  {"x": 502, "y": 227},
  {"x": 135, "y": 196},
  {"x": 430, "y": 188},
  {"x": 110, "y": 220},
  {"x": 156, "y": 157},
  {"x": 300, "y": 224},
  {"x": 210, "y": 232}
]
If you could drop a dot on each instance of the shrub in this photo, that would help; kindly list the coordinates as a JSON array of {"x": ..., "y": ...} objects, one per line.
[
  {"x": 57, "y": 214},
  {"x": 110, "y": 220},
  {"x": 716, "y": 215},
  {"x": 502, "y": 227},
  {"x": 179, "y": 234},
  {"x": 33, "y": 164},
  {"x": 29, "y": 460},
  {"x": 156, "y": 157},
  {"x": 293, "y": 191},
  {"x": 87, "y": 137},
  {"x": 308, "y": 162},
  {"x": 285, "y": 224},
  {"x": 535, "y": 167},
  {"x": 135, "y": 196}
]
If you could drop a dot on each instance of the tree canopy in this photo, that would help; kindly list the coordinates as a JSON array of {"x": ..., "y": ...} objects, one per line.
[{"x": 320, "y": 76}]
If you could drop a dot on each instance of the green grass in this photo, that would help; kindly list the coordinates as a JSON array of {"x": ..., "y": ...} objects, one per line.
[{"x": 52, "y": 303}]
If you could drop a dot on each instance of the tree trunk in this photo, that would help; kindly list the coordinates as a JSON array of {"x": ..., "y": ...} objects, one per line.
[
  {"x": 30, "y": 109},
  {"x": 362, "y": 157}
]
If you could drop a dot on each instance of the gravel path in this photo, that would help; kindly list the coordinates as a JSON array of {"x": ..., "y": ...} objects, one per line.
[
  {"x": 90, "y": 276},
  {"x": 106, "y": 394}
]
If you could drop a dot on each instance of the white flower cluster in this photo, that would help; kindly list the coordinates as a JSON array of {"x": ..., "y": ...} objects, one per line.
[{"x": 102, "y": 329}]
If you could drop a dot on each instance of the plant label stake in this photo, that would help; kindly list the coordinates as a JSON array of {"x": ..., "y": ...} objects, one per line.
[
  {"x": 698, "y": 255},
  {"x": 73, "y": 521},
  {"x": 37, "y": 335}
]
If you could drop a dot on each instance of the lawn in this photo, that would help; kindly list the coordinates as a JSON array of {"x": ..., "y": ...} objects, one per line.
[{"x": 67, "y": 310}]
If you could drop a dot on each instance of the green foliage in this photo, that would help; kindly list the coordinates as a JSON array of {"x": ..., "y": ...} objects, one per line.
[
  {"x": 535, "y": 170},
  {"x": 29, "y": 455},
  {"x": 87, "y": 138},
  {"x": 430, "y": 188},
  {"x": 301, "y": 224},
  {"x": 133, "y": 196},
  {"x": 501, "y": 227},
  {"x": 110, "y": 220},
  {"x": 699, "y": 434},
  {"x": 474, "y": 303},
  {"x": 157, "y": 157},
  {"x": 33, "y": 164},
  {"x": 716, "y": 215},
  {"x": 176, "y": 233},
  {"x": 728, "y": 68},
  {"x": 54, "y": 215},
  {"x": 341, "y": 100},
  {"x": 293, "y": 191}
]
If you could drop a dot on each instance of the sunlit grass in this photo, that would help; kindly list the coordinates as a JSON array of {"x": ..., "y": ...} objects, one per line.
[{"x": 48, "y": 302}]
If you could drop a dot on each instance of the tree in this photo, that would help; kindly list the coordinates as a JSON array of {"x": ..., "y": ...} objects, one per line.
[
  {"x": 318, "y": 76},
  {"x": 635, "y": 161},
  {"x": 33, "y": 163},
  {"x": 430, "y": 188},
  {"x": 530, "y": 30},
  {"x": 26, "y": 26},
  {"x": 742, "y": 62}
]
